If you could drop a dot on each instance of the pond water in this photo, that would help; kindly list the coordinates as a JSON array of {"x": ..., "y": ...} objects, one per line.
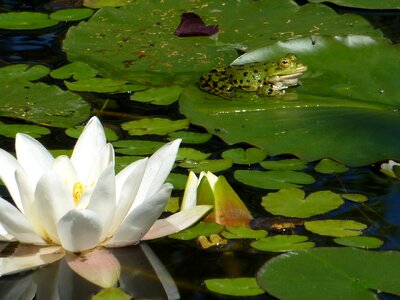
[{"x": 186, "y": 262}]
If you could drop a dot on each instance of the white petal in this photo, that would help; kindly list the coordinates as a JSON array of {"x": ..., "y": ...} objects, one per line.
[
  {"x": 127, "y": 182},
  {"x": 62, "y": 165},
  {"x": 5, "y": 236},
  {"x": 87, "y": 147},
  {"x": 52, "y": 201},
  {"x": 177, "y": 222},
  {"x": 139, "y": 221},
  {"x": 102, "y": 200},
  {"x": 190, "y": 195},
  {"x": 16, "y": 224},
  {"x": 79, "y": 230},
  {"x": 157, "y": 170},
  {"x": 33, "y": 157}
]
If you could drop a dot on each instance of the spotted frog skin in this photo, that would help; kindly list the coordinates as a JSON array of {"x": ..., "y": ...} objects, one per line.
[{"x": 264, "y": 78}]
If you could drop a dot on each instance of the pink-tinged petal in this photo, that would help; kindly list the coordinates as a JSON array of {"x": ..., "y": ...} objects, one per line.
[
  {"x": 79, "y": 230},
  {"x": 16, "y": 224},
  {"x": 190, "y": 194},
  {"x": 98, "y": 266},
  {"x": 29, "y": 257},
  {"x": 102, "y": 200},
  {"x": 127, "y": 184},
  {"x": 9, "y": 165},
  {"x": 63, "y": 167},
  {"x": 87, "y": 146},
  {"x": 33, "y": 157},
  {"x": 158, "y": 168},
  {"x": 139, "y": 221},
  {"x": 52, "y": 201},
  {"x": 177, "y": 222}
]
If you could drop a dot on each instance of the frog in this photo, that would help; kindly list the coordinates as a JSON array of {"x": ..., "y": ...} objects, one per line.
[{"x": 263, "y": 78}]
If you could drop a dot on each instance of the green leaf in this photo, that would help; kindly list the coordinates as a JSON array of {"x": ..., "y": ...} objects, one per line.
[
  {"x": 337, "y": 228},
  {"x": 282, "y": 243},
  {"x": 243, "y": 233},
  {"x": 387, "y": 4},
  {"x": 367, "y": 242},
  {"x": 354, "y": 197},
  {"x": 158, "y": 96},
  {"x": 177, "y": 180},
  {"x": 25, "y": 20},
  {"x": 293, "y": 164},
  {"x": 244, "y": 286},
  {"x": 158, "y": 126},
  {"x": 292, "y": 203},
  {"x": 245, "y": 157},
  {"x": 23, "y": 72},
  {"x": 211, "y": 165},
  {"x": 202, "y": 228},
  {"x": 136, "y": 147},
  {"x": 331, "y": 273},
  {"x": 273, "y": 179},
  {"x": 71, "y": 14},
  {"x": 76, "y": 131},
  {"x": 191, "y": 154},
  {"x": 329, "y": 166},
  {"x": 111, "y": 294},
  {"x": 98, "y": 85},
  {"x": 122, "y": 162},
  {"x": 35, "y": 131},
  {"x": 102, "y": 3},
  {"x": 189, "y": 137},
  {"x": 78, "y": 70}
]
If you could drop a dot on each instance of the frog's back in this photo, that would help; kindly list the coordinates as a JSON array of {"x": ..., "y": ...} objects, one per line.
[{"x": 249, "y": 77}]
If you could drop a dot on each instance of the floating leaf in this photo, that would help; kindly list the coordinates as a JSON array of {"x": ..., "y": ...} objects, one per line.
[
  {"x": 189, "y": 137},
  {"x": 10, "y": 130},
  {"x": 71, "y": 14},
  {"x": 98, "y": 85},
  {"x": 331, "y": 273},
  {"x": 337, "y": 228},
  {"x": 77, "y": 130},
  {"x": 191, "y": 154},
  {"x": 245, "y": 157},
  {"x": 211, "y": 165},
  {"x": 367, "y": 242},
  {"x": 387, "y": 4},
  {"x": 192, "y": 25},
  {"x": 111, "y": 293},
  {"x": 243, "y": 233},
  {"x": 329, "y": 166},
  {"x": 77, "y": 70},
  {"x": 25, "y": 20},
  {"x": 102, "y": 3},
  {"x": 158, "y": 126},
  {"x": 136, "y": 147},
  {"x": 293, "y": 164},
  {"x": 22, "y": 72},
  {"x": 244, "y": 286},
  {"x": 273, "y": 179},
  {"x": 354, "y": 197},
  {"x": 158, "y": 96},
  {"x": 177, "y": 180},
  {"x": 123, "y": 161},
  {"x": 202, "y": 228},
  {"x": 292, "y": 203},
  {"x": 282, "y": 243},
  {"x": 173, "y": 203}
]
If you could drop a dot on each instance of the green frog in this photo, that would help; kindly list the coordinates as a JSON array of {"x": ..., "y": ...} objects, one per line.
[{"x": 264, "y": 78}]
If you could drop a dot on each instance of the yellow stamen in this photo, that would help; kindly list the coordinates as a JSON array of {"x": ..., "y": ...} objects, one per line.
[{"x": 78, "y": 191}]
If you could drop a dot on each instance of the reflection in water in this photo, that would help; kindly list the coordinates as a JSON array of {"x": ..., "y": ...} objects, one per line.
[{"x": 143, "y": 276}]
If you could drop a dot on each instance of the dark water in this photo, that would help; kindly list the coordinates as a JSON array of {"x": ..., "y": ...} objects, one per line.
[{"x": 189, "y": 265}]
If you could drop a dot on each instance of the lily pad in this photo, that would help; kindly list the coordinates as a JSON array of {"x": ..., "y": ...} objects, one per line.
[
  {"x": 71, "y": 14},
  {"x": 331, "y": 273},
  {"x": 273, "y": 180},
  {"x": 158, "y": 96},
  {"x": 387, "y": 4},
  {"x": 329, "y": 166},
  {"x": 23, "y": 72},
  {"x": 76, "y": 131},
  {"x": 202, "y": 228},
  {"x": 210, "y": 165},
  {"x": 282, "y": 243},
  {"x": 111, "y": 293},
  {"x": 245, "y": 157},
  {"x": 337, "y": 228},
  {"x": 293, "y": 164},
  {"x": 25, "y": 20},
  {"x": 312, "y": 121},
  {"x": 123, "y": 161},
  {"x": 189, "y": 137},
  {"x": 293, "y": 203},
  {"x": 177, "y": 180},
  {"x": 354, "y": 197},
  {"x": 367, "y": 242},
  {"x": 191, "y": 154},
  {"x": 243, "y": 286},
  {"x": 136, "y": 147},
  {"x": 98, "y": 85},
  {"x": 243, "y": 233},
  {"x": 10, "y": 130},
  {"x": 158, "y": 126},
  {"x": 102, "y": 3},
  {"x": 77, "y": 70}
]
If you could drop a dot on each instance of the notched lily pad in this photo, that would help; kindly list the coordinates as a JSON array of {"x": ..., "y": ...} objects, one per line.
[
  {"x": 35, "y": 131},
  {"x": 76, "y": 131},
  {"x": 282, "y": 243},
  {"x": 337, "y": 228},
  {"x": 177, "y": 180},
  {"x": 387, "y": 4},
  {"x": 157, "y": 126},
  {"x": 354, "y": 197},
  {"x": 293, "y": 164},
  {"x": 23, "y": 72},
  {"x": 202, "y": 228},
  {"x": 159, "y": 95},
  {"x": 210, "y": 165},
  {"x": 245, "y": 157},
  {"x": 244, "y": 286},
  {"x": 243, "y": 233},
  {"x": 136, "y": 147},
  {"x": 191, "y": 154},
  {"x": 367, "y": 242},
  {"x": 71, "y": 14},
  {"x": 189, "y": 137},
  {"x": 98, "y": 85},
  {"x": 77, "y": 70},
  {"x": 329, "y": 166},
  {"x": 25, "y": 20}
]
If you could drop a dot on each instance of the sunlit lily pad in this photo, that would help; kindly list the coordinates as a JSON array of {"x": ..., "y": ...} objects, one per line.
[
  {"x": 367, "y": 242},
  {"x": 244, "y": 286},
  {"x": 25, "y": 20},
  {"x": 189, "y": 137},
  {"x": 243, "y": 233},
  {"x": 211, "y": 165},
  {"x": 22, "y": 72},
  {"x": 282, "y": 243},
  {"x": 293, "y": 203},
  {"x": 10, "y": 130},
  {"x": 159, "y": 96},
  {"x": 158, "y": 126},
  {"x": 293, "y": 164},
  {"x": 177, "y": 180},
  {"x": 337, "y": 228},
  {"x": 98, "y": 85},
  {"x": 202, "y": 228},
  {"x": 136, "y": 147},
  {"x": 102, "y": 3},
  {"x": 387, "y": 4},
  {"x": 191, "y": 154},
  {"x": 245, "y": 157},
  {"x": 76, "y": 131},
  {"x": 329, "y": 166},
  {"x": 354, "y": 197},
  {"x": 273, "y": 180},
  {"x": 77, "y": 70},
  {"x": 312, "y": 121},
  {"x": 111, "y": 293},
  {"x": 123, "y": 161},
  {"x": 71, "y": 14},
  {"x": 331, "y": 273}
]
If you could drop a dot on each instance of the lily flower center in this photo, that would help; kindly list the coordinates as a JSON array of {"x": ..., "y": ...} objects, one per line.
[{"x": 77, "y": 192}]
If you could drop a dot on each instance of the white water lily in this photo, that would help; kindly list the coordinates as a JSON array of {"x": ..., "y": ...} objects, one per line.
[{"x": 79, "y": 203}]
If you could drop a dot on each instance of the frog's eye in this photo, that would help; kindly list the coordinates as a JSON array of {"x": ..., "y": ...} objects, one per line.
[{"x": 284, "y": 62}]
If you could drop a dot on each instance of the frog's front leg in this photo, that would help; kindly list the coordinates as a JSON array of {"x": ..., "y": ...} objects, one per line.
[{"x": 270, "y": 90}]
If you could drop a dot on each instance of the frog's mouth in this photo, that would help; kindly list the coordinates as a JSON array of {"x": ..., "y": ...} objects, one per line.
[{"x": 295, "y": 74}]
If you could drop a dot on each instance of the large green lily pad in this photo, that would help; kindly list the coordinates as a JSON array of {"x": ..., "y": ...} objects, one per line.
[
  {"x": 387, "y": 4},
  {"x": 347, "y": 108},
  {"x": 126, "y": 43},
  {"x": 331, "y": 273}
]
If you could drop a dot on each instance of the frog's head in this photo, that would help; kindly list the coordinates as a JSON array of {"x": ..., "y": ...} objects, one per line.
[{"x": 286, "y": 71}]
